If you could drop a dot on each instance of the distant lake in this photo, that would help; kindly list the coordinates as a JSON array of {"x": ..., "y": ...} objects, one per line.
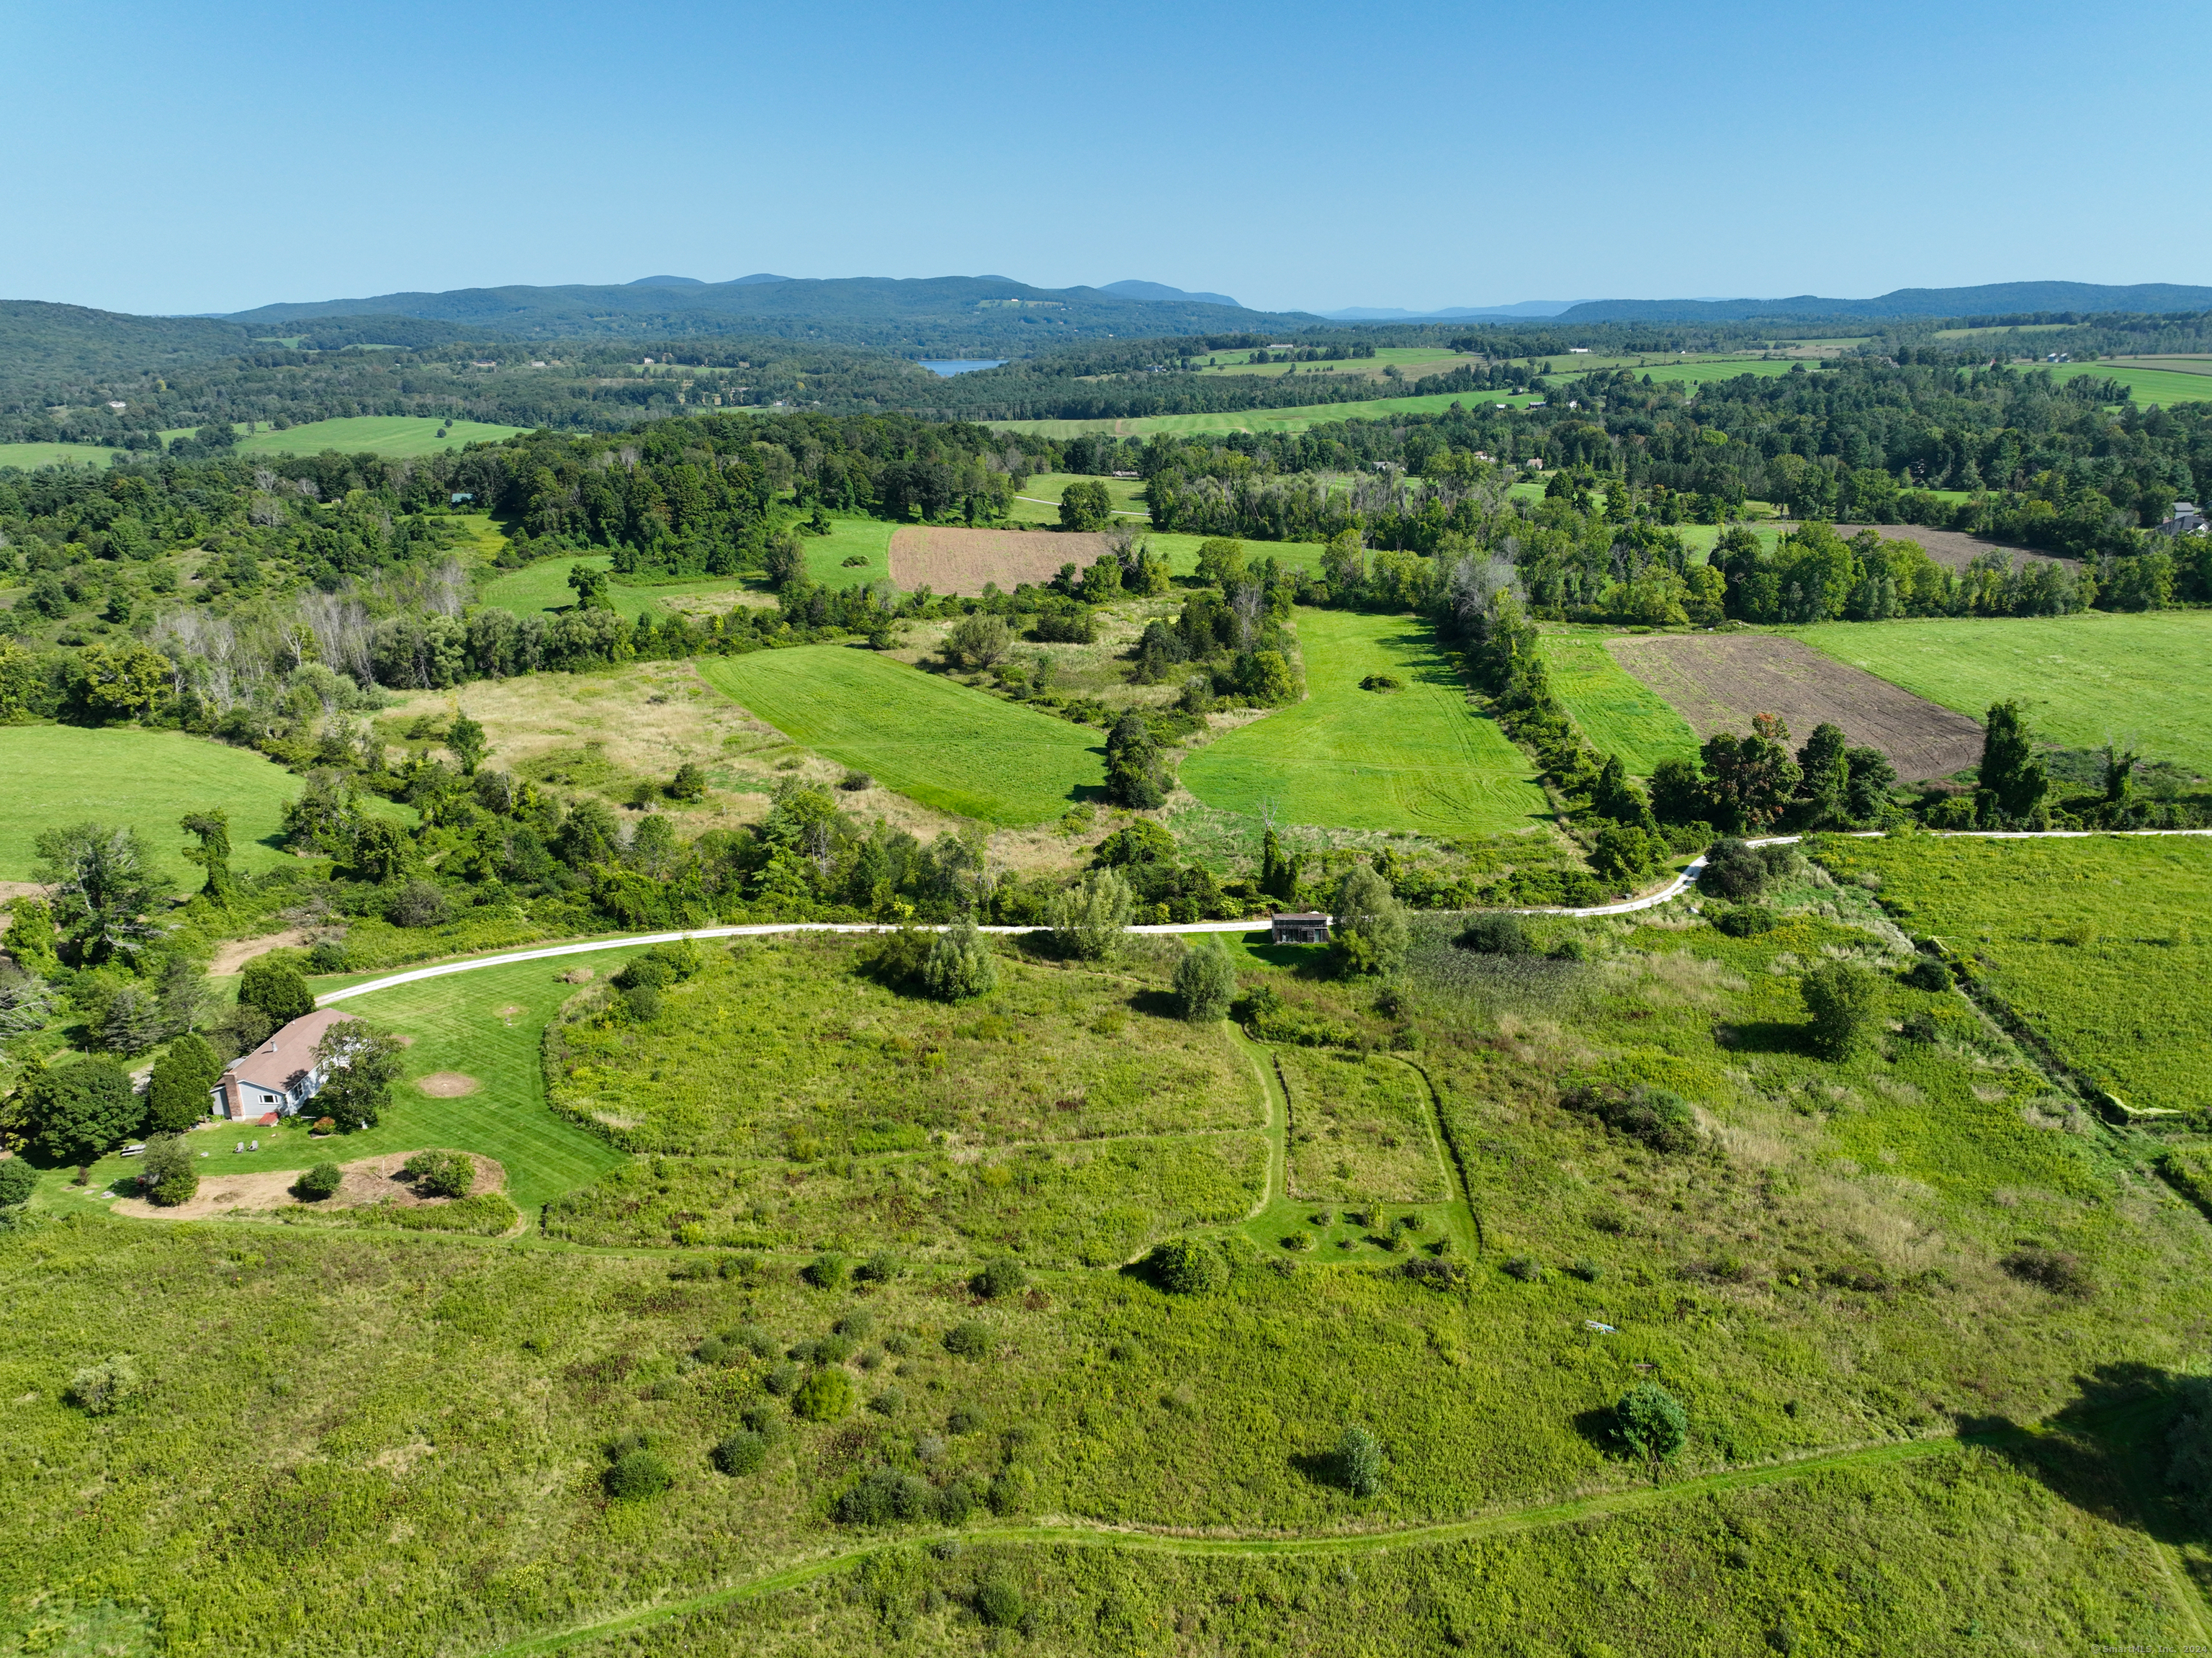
[{"x": 966, "y": 365}]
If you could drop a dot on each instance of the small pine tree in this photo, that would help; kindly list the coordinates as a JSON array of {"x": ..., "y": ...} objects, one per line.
[
  {"x": 177, "y": 1097},
  {"x": 2013, "y": 780},
  {"x": 1359, "y": 1461},
  {"x": 1651, "y": 1422},
  {"x": 960, "y": 966}
]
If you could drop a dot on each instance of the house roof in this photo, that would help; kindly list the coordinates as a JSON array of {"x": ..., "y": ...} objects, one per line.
[
  {"x": 1307, "y": 916},
  {"x": 286, "y": 1054}
]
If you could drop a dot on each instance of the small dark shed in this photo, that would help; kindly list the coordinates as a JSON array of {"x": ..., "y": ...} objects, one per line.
[{"x": 1308, "y": 928}]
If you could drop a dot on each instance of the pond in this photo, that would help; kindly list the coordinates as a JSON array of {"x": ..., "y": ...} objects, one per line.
[{"x": 948, "y": 367}]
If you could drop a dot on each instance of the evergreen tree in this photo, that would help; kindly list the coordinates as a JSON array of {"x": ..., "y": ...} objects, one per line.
[
  {"x": 177, "y": 1095},
  {"x": 1134, "y": 778},
  {"x": 212, "y": 831}
]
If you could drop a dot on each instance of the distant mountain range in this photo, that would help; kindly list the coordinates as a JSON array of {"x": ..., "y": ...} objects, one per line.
[
  {"x": 1990, "y": 300},
  {"x": 923, "y": 314},
  {"x": 1527, "y": 307}
]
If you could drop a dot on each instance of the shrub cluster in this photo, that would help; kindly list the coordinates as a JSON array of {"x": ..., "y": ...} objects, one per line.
[
  {"x": 1185, "y": 1266},
  {"x": 1660, "y": 1117}
]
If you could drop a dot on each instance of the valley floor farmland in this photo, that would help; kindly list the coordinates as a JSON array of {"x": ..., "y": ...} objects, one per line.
[
  {"x": 399, "y": 436},
  {"x": 1417, "y": 759},
  {"x": 1264, "y": 420},
  {"x": 2144, "y": 680},
  {"x": 1717, "y": 682},
  {"x": 53, "y": 776},
  {"x": 2104, "y": 945},
  {"x": 957, "y": 750}
]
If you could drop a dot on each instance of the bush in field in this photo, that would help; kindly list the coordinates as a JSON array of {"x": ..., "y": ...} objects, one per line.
[
  {"x": 824, "y": 1396},
  {"x": 1205, "y": 984},
  {"x": 879, "y": 1268},
  {"x": 690, "y": 782},
  {"x": 1842, "y": 998},
  {"x": 1013, "y": 1491},
  {"x": 1498, "y": 934},
  {"x": 169, "y": 1173},
  {"x": 1000, "y": 1277},
  {"x": 1651, "y": 1422},
  {"x": 2055, "y": 1270},
  {"x": 740, "y": 1454},
  {"x": 959, "y": 966},
  {"x": 441, "y": 1173},
  {"x": 1358, "y": 1462},
  {"x": 636, "y": 1475},
  {"x": 885, "y": 1495},
  {"x": 1927, "y": 973},
  {"x": 319, "y": 1182},
  {"x": 970, "y": 1340},
  {"x": 103, "y": 1389},
  {"x": 825, "y": 1271},
  {"x": 1000, "y": 1603},
  {"x": 1184, "y": 1267},
  {"x": 978, "y": 641},
  {"x": 18, "y": 1180}
]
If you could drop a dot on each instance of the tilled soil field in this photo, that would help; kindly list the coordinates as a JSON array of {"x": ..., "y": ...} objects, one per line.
[
  {"x": 961, "y": 561},
  {"x": 1719, "y": 681}
]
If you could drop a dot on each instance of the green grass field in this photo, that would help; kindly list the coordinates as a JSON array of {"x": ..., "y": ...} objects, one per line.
[
  {"x": 1262, "y": 420},
  {"x": 31, "y": 456},
  {"x": 1618, "y": 712},
  {"x": 395, "y": 435},
  {"x": 2148, "y": 386},
  {"x": 544, "y": 586},
  {"x": 1416, "y": 759},
  {"x": 2103, "y": 945},
  {"x": 60, "y": 775},
  {"x": 948, "y": 746},
  {"x": 1039, "y": 500},
  {"x": 2082, "y": 679},
  {"x": 865, "y": 539}
]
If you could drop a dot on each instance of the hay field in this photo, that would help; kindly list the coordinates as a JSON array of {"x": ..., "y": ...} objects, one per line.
[
  {"x": 397, "y": 437},
  {"x": 1617, "y": 711},
  {"x": 1717, "y": 682},
  {"x": 957, "y": 750},
  {"x": 31, "y": 456},
  {"x": 1416, "y": 759},
  {"x": 2103, "y": 945},
  {"x": 1261, "y": 420},
  {"x": 964, "y": 561},
  {"x": 60, "y": 775},
  {"x": 2082, "y": 679}
]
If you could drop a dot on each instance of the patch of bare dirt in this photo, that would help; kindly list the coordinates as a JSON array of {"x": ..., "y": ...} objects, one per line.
[
  {"x": 368, "y": 1180},
  {"x": 232, "y": 957},
  {"x": 1717, "y": 681},
  {"x": 962, "y": 561},
  {"x": 448, "y": 1084}
]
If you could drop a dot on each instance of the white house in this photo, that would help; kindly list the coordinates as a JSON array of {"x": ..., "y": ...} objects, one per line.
[{"x": 280, "y": 1076}]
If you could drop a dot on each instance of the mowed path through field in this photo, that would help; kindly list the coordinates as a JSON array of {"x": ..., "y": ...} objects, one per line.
[
  {"x": 958, "y": 750},
  {"x": 1416, "y": 759}
]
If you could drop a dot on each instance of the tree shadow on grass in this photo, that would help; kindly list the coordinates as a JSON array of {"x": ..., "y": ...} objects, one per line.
[
  {"x": 1600, "y": 1429},
  {"x": 2107, "y": 1451},
  {"x": 1762, "y": 1036}
]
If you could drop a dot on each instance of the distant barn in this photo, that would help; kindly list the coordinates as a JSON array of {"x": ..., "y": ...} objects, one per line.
[{"x": 1309, "y": 927}]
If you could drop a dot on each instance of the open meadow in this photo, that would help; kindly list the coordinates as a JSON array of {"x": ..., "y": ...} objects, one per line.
[
  {"x": 398, "y": 436},
  {"x": 950, "y": 747},
  {"x": 1416, "y": 757},
  {"x": 146, "y": 780},
  {"x": 543, "y": 587},
  {"x": 31, "y": 456},
  {"x": 2103, "y": 945},
  {"x": 2145, "y": 385},
  {"x": 2082, "y": 679},
  {"x": 1618, "y": 712},
  {"x": 1843, "y": 1269}
]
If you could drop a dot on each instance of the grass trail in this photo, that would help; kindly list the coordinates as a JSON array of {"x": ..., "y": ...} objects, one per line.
[
  {"x": 1618, "y": 712},
  {"x": 947, "y": 746},
  {"x": 1413, "y": 760},
  {"x": 1492, "y": 1525}
]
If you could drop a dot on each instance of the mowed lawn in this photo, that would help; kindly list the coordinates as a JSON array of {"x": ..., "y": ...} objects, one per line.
[
  {"x": 147, "y": 780},
  {"x": 1415, "y": 759},
  {"x": 958, "y": 750},
  {"x": 395, "y": 435},
  {"x": 1618, "y": 713},
  {"x": 31, "y": 456},
  {"x": 2103, "y": 944},
  {"x": 2080, "y": 679}
]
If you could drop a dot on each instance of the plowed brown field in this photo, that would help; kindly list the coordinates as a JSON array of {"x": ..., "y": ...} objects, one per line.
[
  {"x": 1719, "y": 681},
  {"x": 962, "y": 561}
]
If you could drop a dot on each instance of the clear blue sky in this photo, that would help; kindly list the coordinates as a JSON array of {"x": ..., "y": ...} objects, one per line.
[{"x": 169, "y": 158}]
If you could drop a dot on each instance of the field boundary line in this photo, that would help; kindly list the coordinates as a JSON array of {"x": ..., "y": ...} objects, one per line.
[{"x": 1070, "y": 1533}]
